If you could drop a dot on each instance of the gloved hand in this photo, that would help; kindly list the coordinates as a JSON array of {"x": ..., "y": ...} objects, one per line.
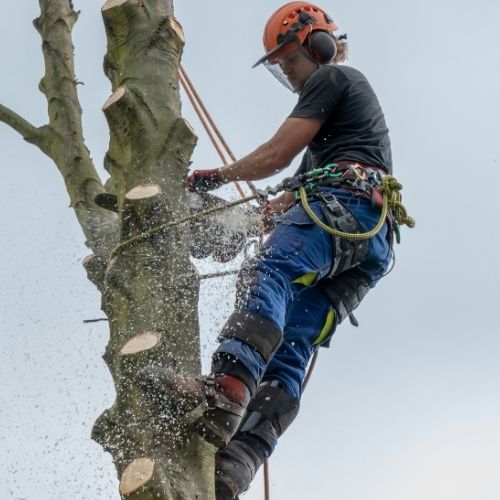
[
  {"x": 267, "y": 215},
  {"x": 201, "y": 181},
  {"x": 261, "y": 218}
]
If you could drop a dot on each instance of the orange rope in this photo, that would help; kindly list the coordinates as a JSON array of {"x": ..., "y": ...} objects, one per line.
[
  {"x": 203, "y": 119},
  {"x": 189, "y": 83},
  {"x": 185, "y": 76},
  {"x": 211, "y": 128}
]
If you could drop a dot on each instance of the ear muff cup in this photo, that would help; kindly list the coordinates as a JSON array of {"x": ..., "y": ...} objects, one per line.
[{"x": 322, "y": 46}]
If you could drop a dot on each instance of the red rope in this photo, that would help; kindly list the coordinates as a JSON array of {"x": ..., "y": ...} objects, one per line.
[
  {"x": 203, "y": 119},
  {"x": 210, "y": 126}
]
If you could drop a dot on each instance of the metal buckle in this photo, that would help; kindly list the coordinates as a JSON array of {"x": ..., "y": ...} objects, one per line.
[{"x": 359, "y": 171}]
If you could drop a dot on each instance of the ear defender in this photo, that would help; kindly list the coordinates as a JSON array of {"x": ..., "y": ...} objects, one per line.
[{"x": 322, "y": 46}]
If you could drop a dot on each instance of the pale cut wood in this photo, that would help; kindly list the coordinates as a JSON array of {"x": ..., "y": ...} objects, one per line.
[
  {"x": 112, "y": 3},
  {"x": 177, "y": 28},
  {"x": 136, "y": 475},
  {"x": 116, "y": 96},
  {"x": 143, "y": 191},
  {"x": 141, "y": 343}
]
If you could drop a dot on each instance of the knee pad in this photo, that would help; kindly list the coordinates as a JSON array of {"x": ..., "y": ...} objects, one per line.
[
  {"x": 269, "y": 413},
  {"x": 259, "y": 333}
]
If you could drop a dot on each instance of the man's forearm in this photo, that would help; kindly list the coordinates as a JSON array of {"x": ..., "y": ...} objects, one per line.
[
  {"x": 274, "y": 155},
  {"x": 265, "y": 161},
  {"x": 281, "y": 203}
]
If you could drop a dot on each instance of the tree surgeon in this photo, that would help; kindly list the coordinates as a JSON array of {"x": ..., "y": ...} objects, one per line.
[{"x": 304, "y": 282}]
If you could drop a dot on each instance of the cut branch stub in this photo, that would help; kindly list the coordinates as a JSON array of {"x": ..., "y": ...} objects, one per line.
[
  {"x": 145, "y": 207},
  {"x": 143, "y": 342},
  {"x": 113, "y": 3},
  {"x": 142, "y": 350},
  {"x": 96, "y": 269},
  {"x": 143, "y": 191},
  {"x": 176, "y": 27},
  {"x": 120, "y": 113},
  {"x": 116, "y": 96},
  {"x": 117, "y": 15},
  {"x": 137, "y": 475}
]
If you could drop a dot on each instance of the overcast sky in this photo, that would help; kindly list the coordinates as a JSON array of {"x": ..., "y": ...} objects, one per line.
[{"x": 404, "y": 408}]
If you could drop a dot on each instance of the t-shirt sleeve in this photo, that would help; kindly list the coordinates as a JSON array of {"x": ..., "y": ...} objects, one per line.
[{"x": 319, "y": 96}]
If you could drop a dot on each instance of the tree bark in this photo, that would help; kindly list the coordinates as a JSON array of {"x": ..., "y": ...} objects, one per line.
[
  {"x": 149, "y": 288},
  {"x": 62, "y": 139}
]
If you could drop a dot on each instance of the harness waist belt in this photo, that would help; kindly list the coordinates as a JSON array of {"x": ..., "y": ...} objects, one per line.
[{"x": 354, "y": 176}]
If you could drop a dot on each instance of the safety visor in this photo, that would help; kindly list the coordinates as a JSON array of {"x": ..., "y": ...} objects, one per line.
[
  {"x": 277, "y": 71},
  {"x": 272, "y": 60}
]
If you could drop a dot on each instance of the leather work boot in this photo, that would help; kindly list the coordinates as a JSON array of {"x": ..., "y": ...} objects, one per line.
[
  {"x": 236, "y": 466},
  {"x": 216, "y": 403},
  {"x": 268, "y": 415}
]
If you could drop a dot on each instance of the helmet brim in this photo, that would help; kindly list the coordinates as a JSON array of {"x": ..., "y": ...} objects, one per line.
[{"x": 286, "y": 41}]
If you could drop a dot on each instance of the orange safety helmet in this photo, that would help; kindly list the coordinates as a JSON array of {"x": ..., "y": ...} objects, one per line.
[{"x": 293, "y": 22}]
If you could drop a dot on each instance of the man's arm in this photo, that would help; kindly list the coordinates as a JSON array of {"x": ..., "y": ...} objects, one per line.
[
  {"x": 281, "y": 203},
  {"x": 274, "y": 155}
]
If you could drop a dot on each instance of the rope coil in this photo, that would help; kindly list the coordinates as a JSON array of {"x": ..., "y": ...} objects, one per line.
[{"x": 391, "y": 188}]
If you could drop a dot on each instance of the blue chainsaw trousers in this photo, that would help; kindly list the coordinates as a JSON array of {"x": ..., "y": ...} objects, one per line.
[{"x": 295, "y": 257}]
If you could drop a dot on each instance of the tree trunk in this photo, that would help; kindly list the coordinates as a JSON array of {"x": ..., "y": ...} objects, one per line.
[
  {"x": 149, "y": 286},
  {"x": 150, "y": 290}
]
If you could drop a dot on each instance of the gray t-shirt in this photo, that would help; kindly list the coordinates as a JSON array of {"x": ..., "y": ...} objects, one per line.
[{"x": 353, "y": 124}]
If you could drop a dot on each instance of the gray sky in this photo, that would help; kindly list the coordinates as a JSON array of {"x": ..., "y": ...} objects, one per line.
[{"x": 405, "y": 407}]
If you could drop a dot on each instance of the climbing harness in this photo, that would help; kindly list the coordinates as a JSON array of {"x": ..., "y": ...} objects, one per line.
[
  {"x": 370, "y": 182},
  {"x": 389, "y": 188}
]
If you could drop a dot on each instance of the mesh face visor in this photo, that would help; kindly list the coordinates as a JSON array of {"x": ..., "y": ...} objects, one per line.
[
  {"x": 277, "y": 72},
  {"x": 272, "y": 59}
]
